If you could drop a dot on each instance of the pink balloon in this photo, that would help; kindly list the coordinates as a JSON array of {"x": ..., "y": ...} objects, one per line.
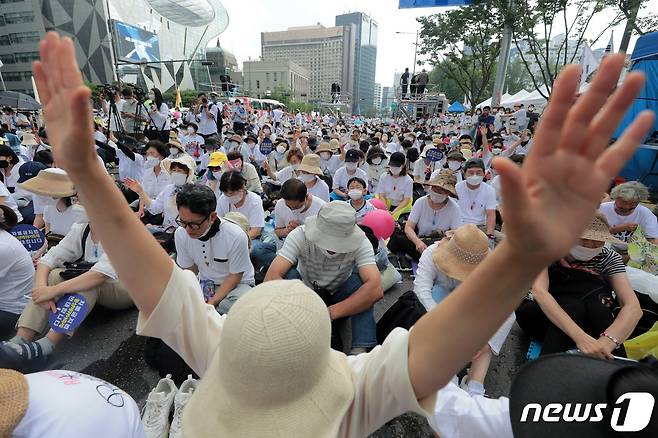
[
  {"x": 380, "y": 222},
  {"x": 378, "y": 203}
]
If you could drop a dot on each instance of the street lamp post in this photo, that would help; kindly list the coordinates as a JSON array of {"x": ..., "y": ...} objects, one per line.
[{"x": 415, "y": 47}]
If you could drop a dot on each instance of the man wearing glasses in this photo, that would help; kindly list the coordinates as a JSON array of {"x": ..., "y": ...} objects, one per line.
[{"x": 215, "y": 249}]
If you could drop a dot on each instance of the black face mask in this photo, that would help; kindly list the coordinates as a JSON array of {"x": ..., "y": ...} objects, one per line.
[
  {"x": 214, "y": 229},
  {"x": 4, "y": 164}
]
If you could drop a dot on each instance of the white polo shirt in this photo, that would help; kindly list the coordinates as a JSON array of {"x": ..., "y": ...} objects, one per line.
[
  {"x": 475, "y": 203},
  {"x": 342, "y": 177},
  {"x": 428, "y": 220},
  {"x": 284, "y": 215},
  {"x": 224, "y": 254},
  {"x": 252, "y": 209},
  {"x": 641, "y": 216},
  {"x": 397, "y": 188}
]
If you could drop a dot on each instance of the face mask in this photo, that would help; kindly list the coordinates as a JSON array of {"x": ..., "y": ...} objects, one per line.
[
  {"x": 475, "y": 180},
  {"x": 584, "y": 254},
  {"x": 281, "y": 149},
  {"x": 235, "y": 199},
  {"x": 351, "y": 166},
  {"x": 306, "y": 177},
  {"x": 496, "y": 151},
  {"x": 152, "y": 161},
  {"x": 266, "y": 132},
  {"x": 173, "y": 151},
  {"x": 376, "y": 161},
  {"x": 438, "y": 197},
  {"x": 395, "y": 170},
  {"x": 190, "y": 131},
  {"x": 178, "y": 178},
  {"x": 217, "y": 174},
  {"x": 151, "y": 96},
  {"x": 325, "y": 155},
  {"x": 355, "y": 194}
]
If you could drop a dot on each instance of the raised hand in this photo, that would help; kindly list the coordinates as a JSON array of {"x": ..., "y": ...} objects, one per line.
[
  {"x": 66, "y": 103},
  {"x": 550, "y": 200}
]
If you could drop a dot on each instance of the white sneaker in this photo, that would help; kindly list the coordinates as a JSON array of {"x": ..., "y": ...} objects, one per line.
[
  {"x": 185, "y": 392},
  {"x": 155, "y": 417}
]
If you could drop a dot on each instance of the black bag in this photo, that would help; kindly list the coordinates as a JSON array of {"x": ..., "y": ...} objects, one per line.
[
  {"x": 161, "y": 357},
  {"x": 166, "y": 240},
  {"x": 404, "y": 313},
  {"x": 78, "y": 267}
]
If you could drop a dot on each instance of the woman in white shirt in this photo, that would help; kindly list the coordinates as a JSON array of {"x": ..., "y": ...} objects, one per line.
[
  {"x": 396, "y": 187},
  {"x": 61, "y": 214},
  {"x": 159, "y": 120},
  {"x": 154, "y": 179},
  {"x": 192, "y": 142},
  {"x": 16, "y": 274},
  {"x": 236, "y": 197}
]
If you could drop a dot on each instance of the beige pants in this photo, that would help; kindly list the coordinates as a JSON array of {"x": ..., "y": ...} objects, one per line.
[{"x": 112, "y": 295}]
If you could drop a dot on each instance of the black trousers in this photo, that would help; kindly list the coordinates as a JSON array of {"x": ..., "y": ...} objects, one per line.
[
  {"x": 7, "y": 324},
  {"x": 590, "y": 314},
  {"x": 405, "y": 88},
  {"x": 400, "y": 244}
]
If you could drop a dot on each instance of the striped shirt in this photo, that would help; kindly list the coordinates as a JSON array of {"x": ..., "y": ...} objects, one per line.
[
  {"x": 606, "y": 264},
  {"x": 315, "y": 266}
]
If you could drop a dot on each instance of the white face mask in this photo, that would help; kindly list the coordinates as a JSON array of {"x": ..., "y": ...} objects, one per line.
[
  {"x": 376, "y": 161},
  {"x": 281, "y": 149},
  {"x": 178, "y": 179},
  {"x": 190, "y": 131},
  {"x": 152, "y": 161},
  {"x": 217, "y": 174},
  {"x": 438, "y": 197},
  {"x": 475, "y": 180},
  {"x": 454, "y": 165},
  {"x": 173, "y": 151},
  {"x": 325, "y": 155},
  {"x": 355, "y": 194},
  {"x": 151, "y": 96},
  {"x": 351, "y": 166},
  {"x": 306, "y": 177},
  {"x": 395, "y": 170},
  {"x": 584, "y": 254},
  {"x": 235, "y": 199},
  {"x": 496, "y": 151},
  {"x": 266, "y": 131}
]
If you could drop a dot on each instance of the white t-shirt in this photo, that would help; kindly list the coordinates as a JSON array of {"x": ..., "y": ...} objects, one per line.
[
  {"x": 285, "y": 215},
  {"x": 66, "y": 403},
  {"x": 641, "y": 216},
  {"x": 252, "y": 209},
  {"x": 154, "y": 184},
  {"x": 165, "y": 203},
  {"x": 396, "y": 189},
  {"x": 10, "y": 201},
  {"x": 319, "y": 190},
  {"x": 224, "y": 254},
  {"x": 331, "y": 165},
  {"x": 16, "y": 274},
  {"x": 475, "y": 203},
  {"x": 342, "y": 177},
  {"x": 61, "y": 222},
  {"x": 192, "y": 143},
  {"x": 277, "y": 115},
  {"x": 427, "y": 219},
  {"x": 160, "y": 117},
  {"x": 12, "y": 179},
  {"x": 129, "y": 168}
]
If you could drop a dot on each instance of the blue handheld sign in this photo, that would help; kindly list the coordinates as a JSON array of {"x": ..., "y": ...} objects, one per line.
[
  {"x": 71, "y": 311},
  {"x": 434, "y": 154},
  {"x": 266, "y": 146},
  {"x": 30, "y": 236}
]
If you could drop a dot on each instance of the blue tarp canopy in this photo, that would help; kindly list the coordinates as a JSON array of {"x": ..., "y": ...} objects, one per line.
[
  {"x": 646, "y": 61},
  {"x": 456, "y": 107}
]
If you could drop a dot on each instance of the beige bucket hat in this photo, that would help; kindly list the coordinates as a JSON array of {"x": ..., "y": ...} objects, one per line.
[
  {"x": 458, "y": 256},
  {"x": 53, "y": 182},
  {"x": 445, "y": 180},
  {"x": 14, "y": 392},
  {"x": 274, "y": 373},
  {"x": 599, "y": 230},
  {"x": 325, "y": 147},
  {"x": 334, "y": 228},
  {"x": 185, "y": 160},
  {"x": 311, "y": 164}
]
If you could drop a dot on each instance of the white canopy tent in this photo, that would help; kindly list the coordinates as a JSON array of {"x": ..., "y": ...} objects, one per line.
[{"x": 516, "y": 98}]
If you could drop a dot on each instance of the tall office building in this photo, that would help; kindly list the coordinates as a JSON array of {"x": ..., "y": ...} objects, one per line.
[
  {"x": 377, "y": 98},
  {"x": 327, "y": 53},
  {"x": 365, "y": 58}
]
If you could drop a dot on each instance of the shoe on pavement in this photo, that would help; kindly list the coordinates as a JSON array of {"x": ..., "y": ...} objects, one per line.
[
  {"x": 30, "y": 359},
  {"x": 185, "y": 392},
  {"x": 155, "y": 417}
]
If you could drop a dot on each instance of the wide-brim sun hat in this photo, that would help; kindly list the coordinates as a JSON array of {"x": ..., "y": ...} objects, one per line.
[
  {"x": 14, "y": 400},
  {"x": 186, "y": 161},
  {"x": 310, "y": 164},
  {"x": 54, "y": 183},
  {"x": 334, "y": 228},
  {"x": 176, "y": 144},
  {"x": 445, "y": 180},
  {"x": 599, "y": 230},
  {"x": 325, "y": 147},
  {"x": 459, "y": 255},
  {"x": 274, "y": 373}
]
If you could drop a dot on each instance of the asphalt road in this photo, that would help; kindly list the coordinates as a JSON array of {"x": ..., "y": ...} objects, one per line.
[{"x": 107, "y": 347}]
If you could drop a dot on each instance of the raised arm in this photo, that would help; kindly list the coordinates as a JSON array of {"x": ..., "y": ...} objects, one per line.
[
  {"x": 553, "y": 204},
  {"x": 68, "y": 116}
]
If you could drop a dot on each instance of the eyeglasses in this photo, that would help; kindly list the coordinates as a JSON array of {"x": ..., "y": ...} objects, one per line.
[{"x": 194, "y": 226}]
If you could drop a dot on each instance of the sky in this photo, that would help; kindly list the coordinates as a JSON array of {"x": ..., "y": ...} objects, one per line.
[{"x": 248, "y": 18}]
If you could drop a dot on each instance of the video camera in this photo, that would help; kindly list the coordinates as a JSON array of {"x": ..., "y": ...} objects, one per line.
[{"x": 109, "y": 91}]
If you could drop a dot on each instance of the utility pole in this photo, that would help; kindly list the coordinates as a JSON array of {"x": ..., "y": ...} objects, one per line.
[
  {"x": 503, "y": 60},
  {"x": 633, "y": 9}
]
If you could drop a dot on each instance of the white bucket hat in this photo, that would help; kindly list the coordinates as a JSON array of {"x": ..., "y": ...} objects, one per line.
[
  {"x": 274, "y": 373},
  {"x": 186, "y": 161},
  {"x": 334, "y": 228}
]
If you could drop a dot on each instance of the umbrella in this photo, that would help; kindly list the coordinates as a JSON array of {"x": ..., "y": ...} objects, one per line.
[{"x": 18, "y": 101}]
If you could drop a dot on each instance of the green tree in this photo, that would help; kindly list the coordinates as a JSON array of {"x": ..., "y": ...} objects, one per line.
[
  {"x": 463, "y": 45},
  {"x": 440, "y": 83},
  {"x": 517, "y": 78}
]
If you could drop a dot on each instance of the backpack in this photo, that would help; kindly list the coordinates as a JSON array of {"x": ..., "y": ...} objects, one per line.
[
  {"x": 404, "y": 313},
  {"x": 161, "y": 357}
]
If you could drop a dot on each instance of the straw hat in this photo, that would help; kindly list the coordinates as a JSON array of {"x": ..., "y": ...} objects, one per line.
[
  {"x": 29, "y": 139},
  {"x": 311, "y": 164},
  {"x": 445, "y": 180},
  {"x": 459, "y": 256},
  {"x": 185, "y": 160},
  {"x": 467, "y": 153},
  {"x": 274, "y": 373},
  {"x": 236, "y": 138},
  {"x": 176, "y": 144},
  {"x": 217, "y": 159},
  {"x": 599, "y": 230},
  {"x": 173, "y": 135},
  {"x": 325, "y": 147},
  {"x": 50, "y": 182},
  {"x": 334, "y": 144},
  {"x": 13, "y": 403},
  {"x": 334, "y": 228}
]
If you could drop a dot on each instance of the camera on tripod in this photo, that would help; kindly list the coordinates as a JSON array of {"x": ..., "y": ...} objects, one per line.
[
  {"x": 139, "y": 93},
  {"x": 109, "y": 91}
]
